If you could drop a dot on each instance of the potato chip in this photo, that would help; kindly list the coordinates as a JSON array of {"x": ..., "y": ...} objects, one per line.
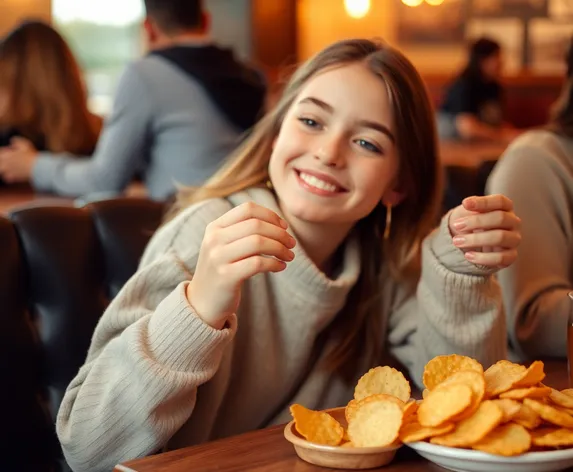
[
  {"x": 414, "y": 431},
  {"x": 527, "y": 418},
  {"x": 473, "y": 429},
  {"x": 569, "y": 411},
  {"x": 560, "y": 398},
  {"x": 549, "y": 413},
  {"x": 529, "y": 392},
  {"x": 443, "y": 403},
  {"x": 441, "y": 367},
  {"x": 553, "y": 437},
  {"x": 353, "y": 404},
  {"x": 350, "y": 410},
  {"x": 509, "y": 408},
  {"x": 383, "y": 380},
  {"x": 507, "y": 440},
  {"x": 317, "y": 426},
  {"x": 476, "y": 382},
  {"x": 410, "y": 409},
  {"x": 383, "y": 396},
  {"x": 375, "y": 424},
  {"x": 505, "y": 411},
  {"x": 502, "y": 376},
  {"x": 534, "y": 374}
]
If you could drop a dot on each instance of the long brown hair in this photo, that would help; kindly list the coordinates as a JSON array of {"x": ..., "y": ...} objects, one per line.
[
  {"x": 42, "y": 92},
  {"x": 358, "y": 326}
]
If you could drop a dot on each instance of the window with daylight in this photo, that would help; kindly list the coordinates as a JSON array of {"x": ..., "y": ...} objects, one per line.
[{"x": 104, "y": 35}]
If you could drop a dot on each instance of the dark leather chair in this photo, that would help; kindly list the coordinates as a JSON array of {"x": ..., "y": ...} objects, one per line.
[
  {"x": 60, "y": 267},
  {"x": 123, "y": 228}
]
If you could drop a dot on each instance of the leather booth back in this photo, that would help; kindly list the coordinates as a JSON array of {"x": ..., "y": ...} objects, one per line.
[{"x": 59, "y": 267}]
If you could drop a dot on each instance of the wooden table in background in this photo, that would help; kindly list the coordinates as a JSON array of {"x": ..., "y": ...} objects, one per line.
[
  {"x": 12, "y": 196},
  {"x": 267, "y": 450},
  {"x": 462, "y": 153}
]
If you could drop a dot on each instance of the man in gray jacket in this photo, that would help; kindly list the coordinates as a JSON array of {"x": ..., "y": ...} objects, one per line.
[{"x": 178, "y": 112}]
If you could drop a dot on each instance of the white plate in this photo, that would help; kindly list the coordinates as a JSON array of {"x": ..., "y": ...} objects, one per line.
[{"x": 467, "y": 460}]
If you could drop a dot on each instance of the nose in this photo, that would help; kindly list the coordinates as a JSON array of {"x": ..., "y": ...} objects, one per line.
[{"x": 330, "y": 151}]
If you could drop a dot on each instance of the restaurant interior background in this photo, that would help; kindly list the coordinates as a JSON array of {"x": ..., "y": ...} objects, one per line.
[{"x": 275, "y": 34}]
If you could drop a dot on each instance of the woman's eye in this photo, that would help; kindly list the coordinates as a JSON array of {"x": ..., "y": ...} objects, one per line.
[
  {"x": 368, "y": 146},
  {"x": 310, "y": 123}
]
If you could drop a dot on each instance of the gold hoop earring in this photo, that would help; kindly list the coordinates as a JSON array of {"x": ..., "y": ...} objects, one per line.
[
  {"x": 388, "y": 221},
  {"x": 269, "y": 184}
]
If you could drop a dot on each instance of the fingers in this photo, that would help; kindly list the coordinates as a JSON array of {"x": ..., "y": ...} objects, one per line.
[
  {"x": 253, "y": 245},
  {"x": 246, "y": 268},
  {"x": 488, "y": 203},
  {"x": 247, "y": 211},
  {"x": 494, "y": 238},
  {"x": 254, "y": 226},
  {"x": 20, "y": 142},
  {"x": 497, "y": 219},
  {"x": 499, "y": 259}
]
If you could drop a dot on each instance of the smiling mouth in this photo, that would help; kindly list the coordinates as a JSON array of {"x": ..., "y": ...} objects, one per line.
[{"x": 317, "y": 185}]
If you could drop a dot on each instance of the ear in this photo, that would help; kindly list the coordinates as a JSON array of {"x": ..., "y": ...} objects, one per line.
[
  {"x": 392, "y": 197},
  {"x": 205, "y": 22},
  {"x": 150, "y": 30}
]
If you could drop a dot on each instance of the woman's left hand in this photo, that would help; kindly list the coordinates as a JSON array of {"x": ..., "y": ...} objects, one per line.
[
  {"x": 486, "y": 230},
  {"x": 17, "y": 160}
]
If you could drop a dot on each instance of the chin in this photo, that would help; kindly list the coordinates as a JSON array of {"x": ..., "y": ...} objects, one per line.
[{"x": 311, "y": 212}]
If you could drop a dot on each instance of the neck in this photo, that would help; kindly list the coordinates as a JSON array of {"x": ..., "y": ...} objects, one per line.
[
  {"x": 320, "y": 242},
  {"x": 186, "y": 38}
]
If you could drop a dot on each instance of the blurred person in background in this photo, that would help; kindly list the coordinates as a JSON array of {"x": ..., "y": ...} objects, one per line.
[
  {"x": 43, "y": 95},
  {"x": 472, "y": 107},
  {"x": 536, "y": 172},
  {"x": 177, "y": 113}
]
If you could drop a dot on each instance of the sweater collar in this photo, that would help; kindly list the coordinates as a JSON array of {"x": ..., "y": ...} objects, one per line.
[{"x": 302, "y": 276}]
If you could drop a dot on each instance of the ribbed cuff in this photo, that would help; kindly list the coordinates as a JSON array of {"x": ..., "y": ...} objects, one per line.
[
  {"x": 182, "y": 341},
  {"x": 450, "y": 256}
]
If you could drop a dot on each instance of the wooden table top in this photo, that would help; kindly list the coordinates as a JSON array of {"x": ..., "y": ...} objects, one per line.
[
  {"x": 12, "y": 196},
  {"x": 267, "y": 450},
  {"x": 463, "y": 153}
]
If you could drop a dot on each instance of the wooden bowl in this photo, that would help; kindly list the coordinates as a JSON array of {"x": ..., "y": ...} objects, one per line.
[{"x": 337, "y": 457}]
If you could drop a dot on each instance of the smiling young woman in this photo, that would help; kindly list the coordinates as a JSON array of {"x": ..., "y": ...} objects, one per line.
[{"x": 304, "y": 270}]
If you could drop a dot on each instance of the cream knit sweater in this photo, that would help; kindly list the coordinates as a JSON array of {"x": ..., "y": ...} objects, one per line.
[
  {"x": 157, "y": 377},
  {"x": 536, "y": 172}
]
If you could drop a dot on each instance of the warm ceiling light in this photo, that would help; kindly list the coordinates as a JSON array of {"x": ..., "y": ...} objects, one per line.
[
  {"x": 357, "y": 8},
  {"x": 412, "y": 3},
  {"x": 434, "y": 2}
]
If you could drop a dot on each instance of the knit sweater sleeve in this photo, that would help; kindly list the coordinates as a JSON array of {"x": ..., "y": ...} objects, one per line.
[
  {"x": 535, "y": 288},
  {"x": 456, "y": 308},
  {"x": 148, "y": 353}
]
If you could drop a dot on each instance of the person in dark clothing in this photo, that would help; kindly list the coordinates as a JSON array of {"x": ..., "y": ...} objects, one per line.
[
  {"x": 178, "y": 112},
  {"x": 472, "y": 107}
]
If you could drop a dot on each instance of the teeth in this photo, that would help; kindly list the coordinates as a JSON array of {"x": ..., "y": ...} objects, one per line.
[{"x": 315, "y": 182}]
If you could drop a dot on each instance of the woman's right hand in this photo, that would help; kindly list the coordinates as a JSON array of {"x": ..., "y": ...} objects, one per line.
[{"x": 245, "y": 241}]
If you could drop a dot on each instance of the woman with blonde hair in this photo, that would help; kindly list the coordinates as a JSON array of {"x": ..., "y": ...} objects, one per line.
[
  {"x": 302, "y": 263},
  {"x": 43, "y": 102}
]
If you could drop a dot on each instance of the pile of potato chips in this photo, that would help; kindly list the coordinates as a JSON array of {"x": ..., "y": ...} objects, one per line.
[{"x": 505, "y": 410}]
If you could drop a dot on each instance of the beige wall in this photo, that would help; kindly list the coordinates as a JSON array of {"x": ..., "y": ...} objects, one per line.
[
  {"x": 322, "y": 22},
  {"x": 13, "y": 11}
]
